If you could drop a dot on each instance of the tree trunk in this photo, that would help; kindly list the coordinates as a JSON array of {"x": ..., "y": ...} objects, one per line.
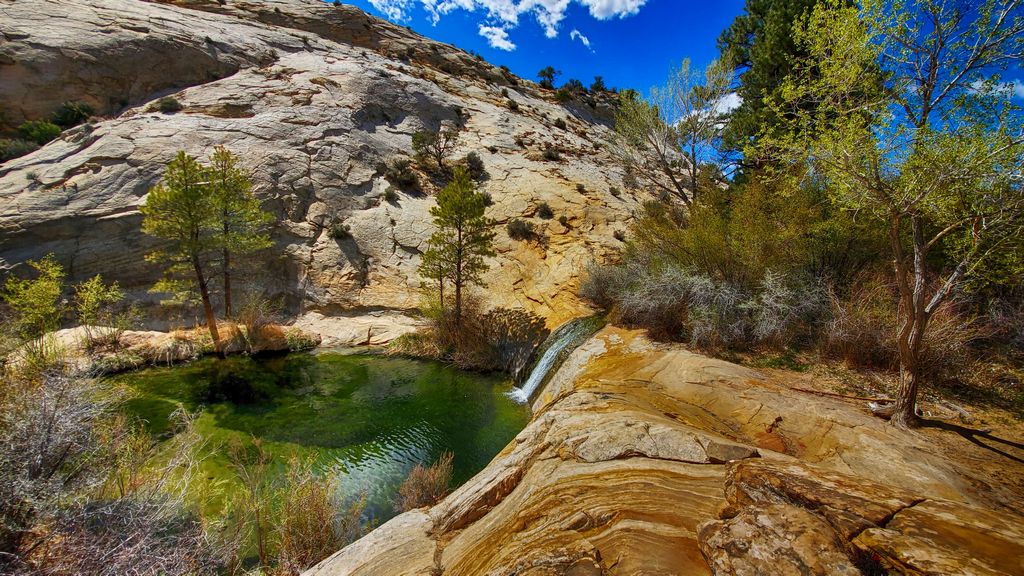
[
  {"x": 211, "y": 319},
  {"x": 227, "y": 283},
  {"x": 916, "y": 314}
]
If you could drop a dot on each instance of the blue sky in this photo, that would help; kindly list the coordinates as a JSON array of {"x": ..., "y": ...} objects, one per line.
[{"x": 632, "y": 43}]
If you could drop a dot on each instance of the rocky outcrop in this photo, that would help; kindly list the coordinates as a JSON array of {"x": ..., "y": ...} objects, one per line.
[
  {"x": 648, "y": 459},
  {"x": 313, "y": 97}
]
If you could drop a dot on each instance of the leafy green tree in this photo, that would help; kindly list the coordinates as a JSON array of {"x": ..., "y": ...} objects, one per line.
[
  {"x": 182, "y": 211},
  {"x": 456, "y": 250},
  {"x": 667, "y": 142},
  {"x": 243, "y": 222},
  {"x": 547, "y": 77},
  {"x": 598, "y": 85},
  {"x": 936, "y": 157},
  {"x": 36, "y": 304},
  {"x": 759, "y": 45}
]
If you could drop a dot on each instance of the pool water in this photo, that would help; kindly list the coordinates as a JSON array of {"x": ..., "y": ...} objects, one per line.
[{"x": 370, "y": 419}]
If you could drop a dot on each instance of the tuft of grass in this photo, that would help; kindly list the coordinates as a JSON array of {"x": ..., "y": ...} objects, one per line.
[{"x": 425, "y": 486}]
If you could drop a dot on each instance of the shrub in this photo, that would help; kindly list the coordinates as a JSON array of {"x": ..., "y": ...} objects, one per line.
[
  {"x": 520, "y": 229},
  {"x": 563, "y": 95},
  {"x": 683, "y": 304},
  {"x": 552, "y": 154},
  {"x": 425, "y": 486},
  {"x": 619, "y": 235},
  {"x": 72, "y": 114},
  {"x": 399, "y": 172},
  {"x": 580, "y": 187},
  {"x": 168, "y": 105},
  {"x": 14, "y": 147},
  {"x": 614, "y": 191},
  {"x": 39, "y": 131},
  {"x": 598, "y": 85},
  {"x": 563, "y": 220},
  {"x": 488, "y": 201},
  {"x": 504, "y": 92},
  {"x": 544, "y": 211},
  {"x": 390, "y": 195},
  {"x": 560, "y": 123},
  {"x": 434, "y": 147},
  {"x": 512, "y": 105},
  {"x": 340, "y": 231},
  {"x": 475, "y": 166},
  {"x": 312, "y": 525}
]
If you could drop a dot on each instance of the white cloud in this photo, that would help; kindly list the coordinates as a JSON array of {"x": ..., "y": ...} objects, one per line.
[
  {"x": 1018, "y": 88},
  {"x": 1012, "y": 89},
  {"x": 505, "y": 13},
  {"x": 728, "y": 103},
  {"x": 605, "y": 9},
  {"x": 497, "y": 37},
  {"x": 577, "y": 35},
  {"x": 397, "y": 10}
]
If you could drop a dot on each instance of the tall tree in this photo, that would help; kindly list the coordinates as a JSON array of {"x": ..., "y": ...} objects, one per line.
[
  {"x": 464, "y": 237},
  {"x": 182, "y": 211},
  {"x": 242, "y": 220},
  {"x": 668, "y": 141},
  {"x": 759, "y": 45},
  {"x": 936, "y": 157}
]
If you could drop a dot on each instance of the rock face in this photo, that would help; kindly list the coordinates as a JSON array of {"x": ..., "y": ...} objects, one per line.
[
  {"x": 646, "y": 459},
  {"x": 312, "y": 97}
]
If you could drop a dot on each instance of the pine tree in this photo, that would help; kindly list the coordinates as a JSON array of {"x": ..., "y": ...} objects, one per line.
[
  {"x": 463, "y": 239},
  {"x": 242, "y": 220},
  {"x": 182, "y": 211}
]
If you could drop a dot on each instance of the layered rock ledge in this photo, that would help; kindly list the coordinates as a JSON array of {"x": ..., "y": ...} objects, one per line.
[{"x": 648, "y": 459}]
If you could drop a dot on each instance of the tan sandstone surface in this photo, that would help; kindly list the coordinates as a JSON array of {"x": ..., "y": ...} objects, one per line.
[
  {"x": 312, "y": 97},
  {"x": 649, "y": 459}
]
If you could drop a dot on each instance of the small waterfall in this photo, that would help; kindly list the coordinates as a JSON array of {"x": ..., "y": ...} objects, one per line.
[{"x": 555, "y": 349}]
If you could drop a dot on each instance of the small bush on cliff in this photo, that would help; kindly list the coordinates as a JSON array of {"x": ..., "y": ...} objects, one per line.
[
  {"x": 15, "y": 147},
  {"x": 425, "y": 486},
  {"x": 520, "y": 229},
  {"x": 72, "y": 114},
  {"x": 475, "y": 166},
  {"x": 39, "y": 131},
  {"x": 168, "y": 105},
  {"x": 544, "y": 211},
  {"x": 399, "y": 172}
]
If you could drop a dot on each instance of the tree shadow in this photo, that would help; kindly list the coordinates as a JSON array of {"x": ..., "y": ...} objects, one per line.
[{"x": 976, "y": 437}]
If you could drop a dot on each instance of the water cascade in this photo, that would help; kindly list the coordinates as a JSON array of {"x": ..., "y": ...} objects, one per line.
[{"x": 554, "y": 351}]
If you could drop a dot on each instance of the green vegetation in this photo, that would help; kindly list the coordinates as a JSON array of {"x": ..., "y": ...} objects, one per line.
[
  {"x": 242, "y": 221},
  {"x": 456, "y": 250},
  {"x": 433, "y": 148},
  {"x": 520, "y": 229},
  {"x": 39, "y": 131},
  {"x": 547, "y": 77},
  {"x": 544, "y": 211},
  {"x": 14, "y": 147},
  {"x": 204, "y": 214},
  {"x": 72, "y": 114},
  {"x": 671, "y": 143},
  {"x": 875, "y": 221},
  {"x": 168, "y": 105}
]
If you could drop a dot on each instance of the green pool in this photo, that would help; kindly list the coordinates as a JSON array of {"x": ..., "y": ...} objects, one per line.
[{"x": 368, "y": 418}]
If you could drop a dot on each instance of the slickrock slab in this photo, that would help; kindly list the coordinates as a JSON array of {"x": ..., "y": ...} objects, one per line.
[{"x": 647, "y": 459}]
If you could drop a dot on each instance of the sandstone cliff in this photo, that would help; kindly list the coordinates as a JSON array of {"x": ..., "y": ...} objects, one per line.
[
  {"x": 313, "y": 97},
  {"x": 646, "y": 459}
]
